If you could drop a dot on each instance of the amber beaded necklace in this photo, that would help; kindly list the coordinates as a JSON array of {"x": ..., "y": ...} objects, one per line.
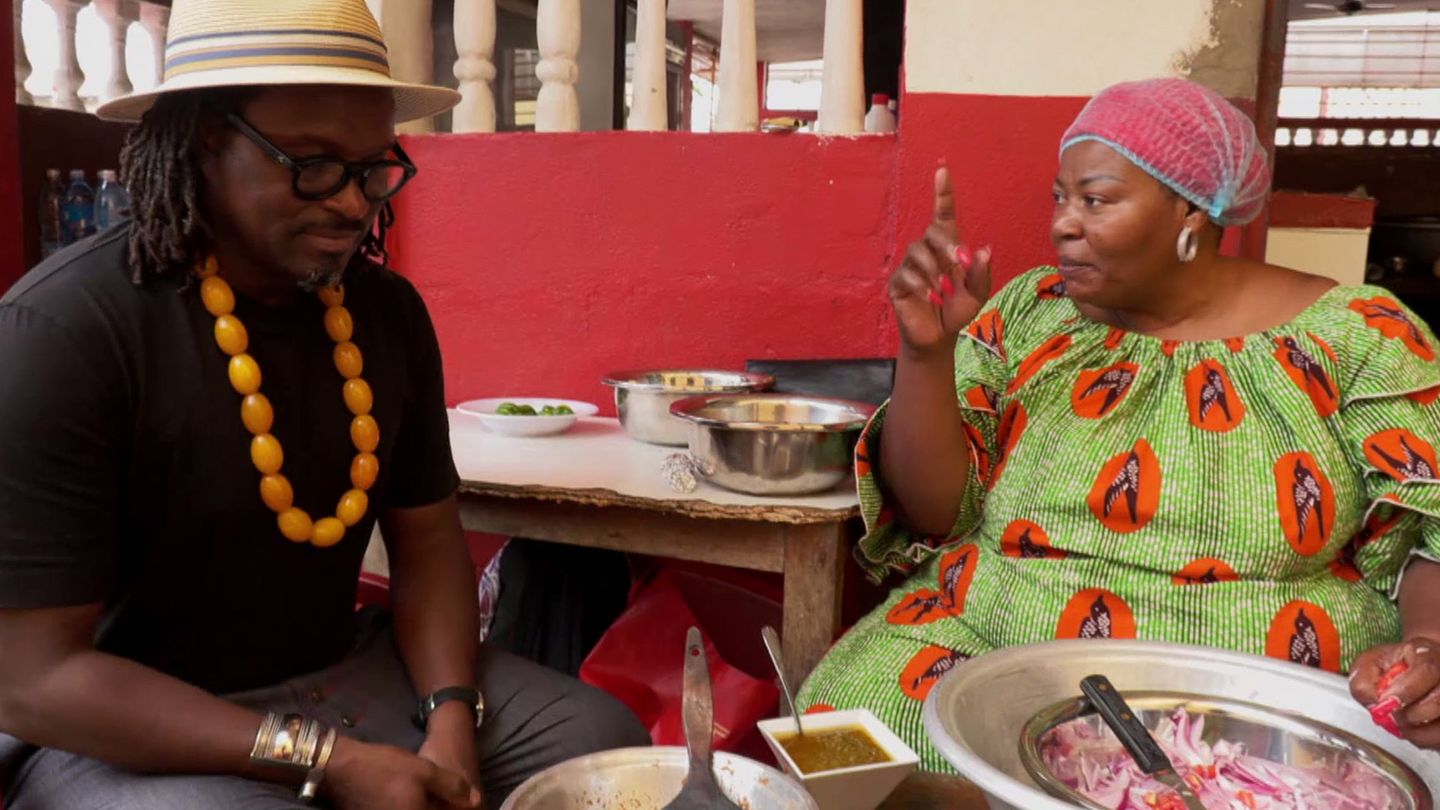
[{"x": 258, "y": 415}]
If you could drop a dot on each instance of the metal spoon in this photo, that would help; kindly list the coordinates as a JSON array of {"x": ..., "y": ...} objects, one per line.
[
  {"x": 772, "y": 645},
  {"x": 701, "y": 791}
]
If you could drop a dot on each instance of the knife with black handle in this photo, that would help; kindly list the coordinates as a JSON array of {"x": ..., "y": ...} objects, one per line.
[{"x": 1135, "y": 737}]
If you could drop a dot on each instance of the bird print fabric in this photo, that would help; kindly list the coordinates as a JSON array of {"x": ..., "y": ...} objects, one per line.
[{"x": 1260, "y": 493}]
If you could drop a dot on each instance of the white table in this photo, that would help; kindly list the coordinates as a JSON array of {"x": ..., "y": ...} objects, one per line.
[{"x": 594, "y": 486}]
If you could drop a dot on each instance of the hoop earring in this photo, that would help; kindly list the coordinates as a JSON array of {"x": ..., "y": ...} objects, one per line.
[{"x": 1187, "y": 245}]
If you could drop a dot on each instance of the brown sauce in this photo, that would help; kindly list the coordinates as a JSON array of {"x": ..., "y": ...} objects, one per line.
[{"x": 832, "y": 749}]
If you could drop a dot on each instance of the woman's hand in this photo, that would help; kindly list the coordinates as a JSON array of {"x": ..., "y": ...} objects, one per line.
[
  {"x": 941, "y": 285},
  {"x": 1402, "y": 681}
]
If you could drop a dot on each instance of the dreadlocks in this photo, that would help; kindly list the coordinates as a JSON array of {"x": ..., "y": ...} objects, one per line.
[{"x": 160, "y": 165}]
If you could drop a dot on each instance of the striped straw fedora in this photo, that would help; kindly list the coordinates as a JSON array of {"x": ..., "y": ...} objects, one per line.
[{"x": 245, "y": 43}]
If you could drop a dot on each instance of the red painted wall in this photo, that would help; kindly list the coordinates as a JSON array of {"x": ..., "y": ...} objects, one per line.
[
  {"x": 548, "y": 260},
  {"x": 1298, "y": 209},
  {"x": 1002, "y": 152},
  {"x": 11, "y": 265}
]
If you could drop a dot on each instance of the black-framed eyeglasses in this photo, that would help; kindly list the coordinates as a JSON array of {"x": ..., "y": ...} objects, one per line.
[{"x": 322, "y": 177}]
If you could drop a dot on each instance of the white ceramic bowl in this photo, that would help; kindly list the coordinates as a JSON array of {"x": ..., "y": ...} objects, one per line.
[
  {"x": 863, "y": 787},
  {"x": 484, "y": 410}
]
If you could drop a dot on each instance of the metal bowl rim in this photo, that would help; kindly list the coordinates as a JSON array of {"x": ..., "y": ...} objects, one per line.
[
  {"x": 1000, "y": 785},
  {"x": 658, "y": 754},
  {"x": 626, "y": 380},
  {"x": 1063, "y": 711},
  {"x": 685, "y": 409}
]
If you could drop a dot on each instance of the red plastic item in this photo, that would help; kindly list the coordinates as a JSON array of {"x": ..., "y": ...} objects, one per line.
[{"x": 640, "y": 661}]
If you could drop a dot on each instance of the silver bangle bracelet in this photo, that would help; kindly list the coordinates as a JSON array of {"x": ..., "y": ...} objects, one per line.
[
  {"x": 316, "y": 774},
  {"x": 291, "y": 742}
]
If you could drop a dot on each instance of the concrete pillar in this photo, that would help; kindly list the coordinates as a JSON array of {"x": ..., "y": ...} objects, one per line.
[{"x": 596, "y": 62}]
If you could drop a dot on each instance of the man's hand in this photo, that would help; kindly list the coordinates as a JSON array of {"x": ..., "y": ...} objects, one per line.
[
  {"x": 450, "y": 741},
  {"x": 363, "y": 776}
]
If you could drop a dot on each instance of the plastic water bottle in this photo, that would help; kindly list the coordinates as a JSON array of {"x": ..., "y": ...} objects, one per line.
[
  {"x": 52, "y": 228},
  {"x": 879, "y": 119},
  {"x": 78, "y": 208},
  {"x": 112, "y": 201}
]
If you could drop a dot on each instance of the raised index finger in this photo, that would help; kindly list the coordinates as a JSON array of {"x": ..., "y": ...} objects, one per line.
[{"x": 945, "y": 202}]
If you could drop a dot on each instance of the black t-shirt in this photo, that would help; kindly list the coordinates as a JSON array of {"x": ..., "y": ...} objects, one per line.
[{"x": 125, "y": 472}]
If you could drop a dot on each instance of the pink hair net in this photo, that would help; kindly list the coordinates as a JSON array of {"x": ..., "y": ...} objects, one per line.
[{"x": 1187, "y": 137}]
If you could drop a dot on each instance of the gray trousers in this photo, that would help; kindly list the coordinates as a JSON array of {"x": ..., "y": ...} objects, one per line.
[{"x": 534, "y": 718}]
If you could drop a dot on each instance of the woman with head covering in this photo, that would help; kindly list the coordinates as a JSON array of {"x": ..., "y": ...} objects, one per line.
[{"x": 1149, "y": 440}]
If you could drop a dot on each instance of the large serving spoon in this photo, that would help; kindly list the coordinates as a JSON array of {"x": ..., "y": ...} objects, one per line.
[{"x": 701, "y": 791}]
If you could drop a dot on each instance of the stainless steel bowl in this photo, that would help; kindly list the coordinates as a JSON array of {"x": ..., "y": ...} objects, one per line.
[
  {"x": 643, "y": 398},
  {"x": 648, "y": 778},
  {"x": 1276, "y": 736},
  {"x": 773, "y": 444},
  {"x": 977, "y": 726}
]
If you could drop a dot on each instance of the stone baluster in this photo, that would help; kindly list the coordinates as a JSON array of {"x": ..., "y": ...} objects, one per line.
[
  {"x": 156, "y": 21},
  {"x": 648, "y": 107},
  {"x": 68, "y": 76},
  {"x": 557, "y": 27},
  {"x": 118, "y": 15},
  {"x": 475, "y": 44},
  {"x": 842, "y": 96},
  {"x": 739, "y": 85},
  {"x": 22, "y": 61},
  {"x": 410, "y": 37}
]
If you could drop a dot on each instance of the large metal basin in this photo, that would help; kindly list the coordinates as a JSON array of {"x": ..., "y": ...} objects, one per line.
[
  {"x": 643, "y": 398},
  {"x": 774, "y": 444},
  {"x": 976, "y": 716}
]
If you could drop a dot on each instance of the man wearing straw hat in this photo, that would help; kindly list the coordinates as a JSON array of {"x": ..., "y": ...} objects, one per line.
[{"x": 180, "y": 534}]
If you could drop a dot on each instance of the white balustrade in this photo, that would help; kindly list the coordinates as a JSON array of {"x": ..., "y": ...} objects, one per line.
[
  {"x": 118, "y": 15},
  {"x": 739, "y": 72},
  {"x": 22, "y": 61},
  {"x": 410, "y": 39},
  {"x": 156, "y": 22},
  {"x": 475, "y": 67},
  {"x": 557, "y": 28},
  {"x": 842, "y": 95},
  {"x": 648, "y": 106},
  {"x": 68, "y": 76},
  {"x": 409, "y": 35}
]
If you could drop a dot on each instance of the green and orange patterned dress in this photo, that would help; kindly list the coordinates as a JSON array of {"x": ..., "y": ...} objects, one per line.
[{"x": 1261, "y": 494}]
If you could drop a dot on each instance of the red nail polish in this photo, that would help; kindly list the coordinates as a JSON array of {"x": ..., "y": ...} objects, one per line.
[
  {"x": 946, "y": 286},
  {"x": 1391, "y": 675},
  {"x": 963, "y": 257},
  {"x": 1383, "y": 713},
  {"x": 935, "y": 299}
]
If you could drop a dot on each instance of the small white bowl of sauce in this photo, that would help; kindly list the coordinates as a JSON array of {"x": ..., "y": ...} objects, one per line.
[{"x": 847, "y": 760}]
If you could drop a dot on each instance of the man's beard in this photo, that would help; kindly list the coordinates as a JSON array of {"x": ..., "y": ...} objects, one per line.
[{"x": 318, "y": 278}]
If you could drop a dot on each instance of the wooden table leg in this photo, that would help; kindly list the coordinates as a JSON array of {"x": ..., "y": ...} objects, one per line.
[{"x": 814, "y": 578}]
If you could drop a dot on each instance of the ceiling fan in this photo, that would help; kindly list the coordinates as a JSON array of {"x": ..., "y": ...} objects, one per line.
[{"x": 1350, "y": 7}]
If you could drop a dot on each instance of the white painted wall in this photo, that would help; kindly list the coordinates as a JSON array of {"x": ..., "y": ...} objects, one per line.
[
  {"x": 1337, "y": 253},
  {"x": 1064, "y": 48}
]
